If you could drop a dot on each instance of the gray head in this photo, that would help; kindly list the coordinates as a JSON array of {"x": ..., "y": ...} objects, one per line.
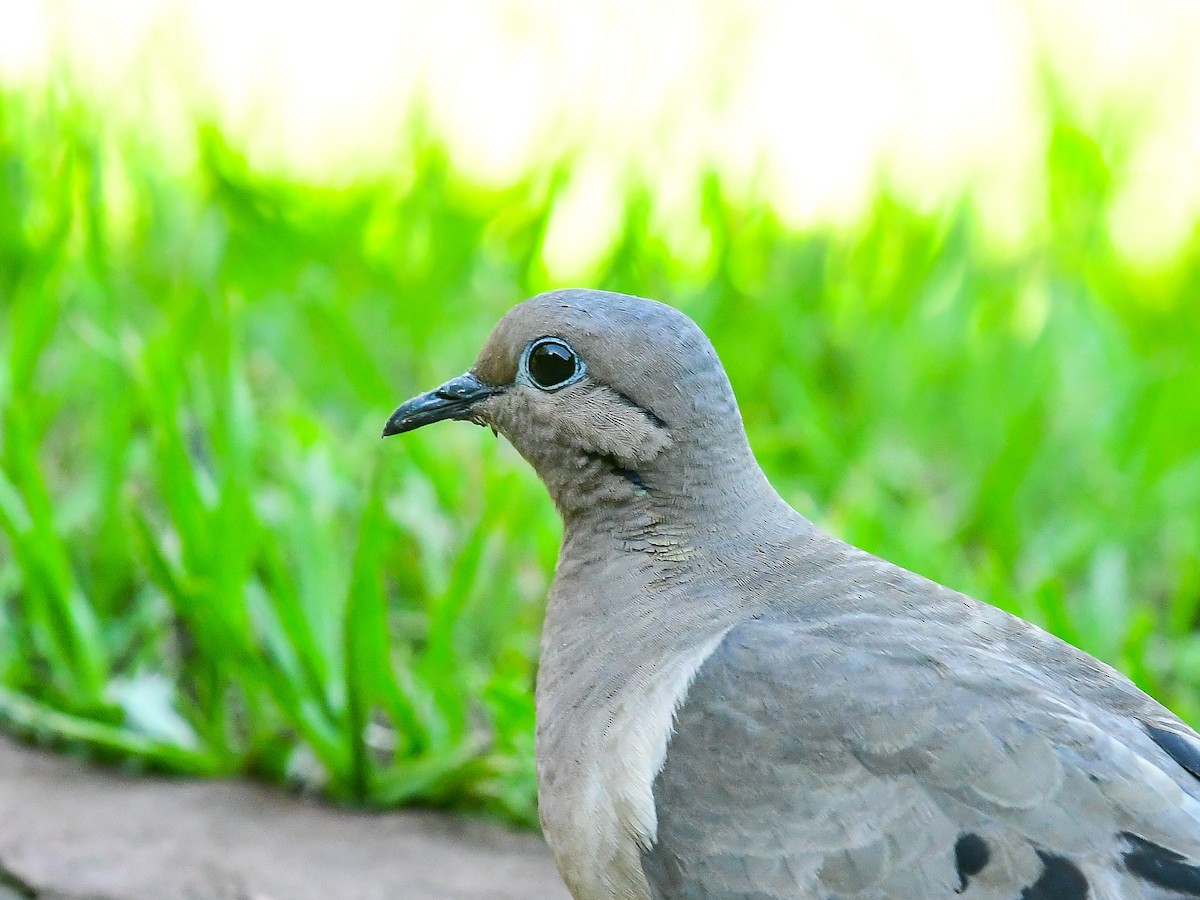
[{"x": 613, "y": 399}]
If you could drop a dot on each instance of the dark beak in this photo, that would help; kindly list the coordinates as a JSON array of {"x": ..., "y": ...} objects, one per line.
[{"x": 453, "y": 400}]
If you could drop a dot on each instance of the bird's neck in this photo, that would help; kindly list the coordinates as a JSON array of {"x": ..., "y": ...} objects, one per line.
[{"x": 695, "y": 498}]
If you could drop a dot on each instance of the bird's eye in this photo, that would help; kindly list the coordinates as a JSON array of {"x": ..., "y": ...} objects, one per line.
[{"x": 552, "y": 364}]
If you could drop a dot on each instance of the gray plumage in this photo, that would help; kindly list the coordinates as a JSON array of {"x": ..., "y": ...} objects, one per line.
[{"x": 734, "y": 704}]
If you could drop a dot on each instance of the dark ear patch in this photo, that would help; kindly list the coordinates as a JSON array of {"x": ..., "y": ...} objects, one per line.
[
  {"x": 639, "y": 486},
  {"x": 1060, "y": 880},
  {"x": 592, "y": 417},
  {"x": 1179, "y": 746},
  {"x": 1161, "y": 866},
  {"x": 655, "y": 420}
]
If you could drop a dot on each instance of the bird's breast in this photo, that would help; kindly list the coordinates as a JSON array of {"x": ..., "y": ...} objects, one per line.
[{"x": 601, "y": 740}]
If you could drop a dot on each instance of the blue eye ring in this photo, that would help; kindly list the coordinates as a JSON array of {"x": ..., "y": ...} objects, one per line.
[{"x": 550, "y": 364}]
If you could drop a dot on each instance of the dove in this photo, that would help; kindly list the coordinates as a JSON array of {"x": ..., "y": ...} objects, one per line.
[{"x": 732, "y": 703}]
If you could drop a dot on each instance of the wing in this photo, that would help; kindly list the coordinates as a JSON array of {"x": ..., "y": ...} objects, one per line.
[{"x": 838, "y": 760}]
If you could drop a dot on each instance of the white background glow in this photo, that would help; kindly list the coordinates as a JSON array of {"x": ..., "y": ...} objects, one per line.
[{"x": 810, "y": 104}]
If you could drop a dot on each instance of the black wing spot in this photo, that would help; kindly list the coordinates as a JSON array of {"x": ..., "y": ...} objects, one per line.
[
  {"x": 1161, "y": 866},
  {"x": 1060, "y": 880},
  {"x": 1180, "y": 747},
  {"x": 971, "y": 854}
]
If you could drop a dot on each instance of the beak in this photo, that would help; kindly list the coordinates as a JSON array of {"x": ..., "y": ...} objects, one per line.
[{"x": 453, "y": 400}]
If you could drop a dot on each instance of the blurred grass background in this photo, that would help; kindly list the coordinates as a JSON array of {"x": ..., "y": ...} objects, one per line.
[{"x": 210, "y": 564}]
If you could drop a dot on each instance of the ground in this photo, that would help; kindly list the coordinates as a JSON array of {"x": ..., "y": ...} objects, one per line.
[{"x": 73, "y": 831}]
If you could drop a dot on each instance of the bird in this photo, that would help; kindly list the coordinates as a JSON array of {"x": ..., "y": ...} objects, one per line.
[{"x": 733, "y": 703}]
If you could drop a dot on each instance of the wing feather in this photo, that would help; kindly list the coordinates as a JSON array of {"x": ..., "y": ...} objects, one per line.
[{"x": 838, "y": 759}]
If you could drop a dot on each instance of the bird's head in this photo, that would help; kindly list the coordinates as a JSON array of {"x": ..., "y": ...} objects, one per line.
[{"x": 611, "y": 398}]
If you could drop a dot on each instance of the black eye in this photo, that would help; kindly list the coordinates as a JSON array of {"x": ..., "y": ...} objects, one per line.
[{"x": 552, "y": 363}]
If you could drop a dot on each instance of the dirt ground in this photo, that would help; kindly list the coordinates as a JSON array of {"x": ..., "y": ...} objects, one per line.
[{"x": 70, "y": 831}]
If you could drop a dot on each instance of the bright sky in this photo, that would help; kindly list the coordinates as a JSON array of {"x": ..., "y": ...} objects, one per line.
[{"x": 806, "y": 102}]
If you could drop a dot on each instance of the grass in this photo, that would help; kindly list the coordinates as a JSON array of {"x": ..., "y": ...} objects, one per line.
[{"x": 210, "y": 564}]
